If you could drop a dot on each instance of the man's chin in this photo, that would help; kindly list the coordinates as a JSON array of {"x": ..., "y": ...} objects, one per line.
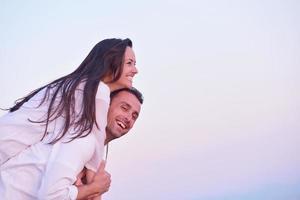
[{"x": 117, "y": 134}]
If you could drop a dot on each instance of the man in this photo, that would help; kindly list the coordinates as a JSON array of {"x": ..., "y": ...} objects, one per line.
[
  {"x": 124, "y": 109},
  {"x": 123, "y": 112}
]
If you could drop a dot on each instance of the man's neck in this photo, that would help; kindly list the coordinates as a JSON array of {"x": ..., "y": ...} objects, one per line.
[{"x": 108, "y": 139}]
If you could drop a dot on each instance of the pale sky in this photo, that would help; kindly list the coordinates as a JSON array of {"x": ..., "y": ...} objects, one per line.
[{"x": 221, "y": 118}]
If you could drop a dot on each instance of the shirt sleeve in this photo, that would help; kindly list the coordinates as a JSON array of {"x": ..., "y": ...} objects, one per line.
[
  {"x": 16, "y": 132},
  {"x": 68, "y": 159},
  {"x": 65, "y": 163},
  {"x": 103, "y": 92},
  {"x": 101, "y": 119}
]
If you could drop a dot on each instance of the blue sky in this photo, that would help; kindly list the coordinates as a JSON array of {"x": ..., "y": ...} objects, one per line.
[{"x": 220, "y": 79}]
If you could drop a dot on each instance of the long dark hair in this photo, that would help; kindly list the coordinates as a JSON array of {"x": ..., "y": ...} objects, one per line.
[{"x": 106, "y": 58}]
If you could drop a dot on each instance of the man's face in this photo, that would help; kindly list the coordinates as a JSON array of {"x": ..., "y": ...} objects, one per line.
[{"x": 122, "y": 114}]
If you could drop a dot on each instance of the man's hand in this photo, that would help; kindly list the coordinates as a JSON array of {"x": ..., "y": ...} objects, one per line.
[
  {"x": 81, "y": 178},
  {"x": 99, "y": 182},
  {"x": 101, "y": 179}
]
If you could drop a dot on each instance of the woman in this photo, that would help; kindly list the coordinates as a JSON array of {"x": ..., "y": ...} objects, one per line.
[{"x": 49, "y": 136}]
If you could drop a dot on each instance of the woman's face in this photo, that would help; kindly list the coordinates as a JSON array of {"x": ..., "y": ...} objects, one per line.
[{"x": 129, "y": 70}]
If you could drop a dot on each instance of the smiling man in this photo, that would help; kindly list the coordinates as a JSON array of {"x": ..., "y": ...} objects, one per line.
[
  {"x": 125, "y": 106},
  {"x": 124, "y": 110}
]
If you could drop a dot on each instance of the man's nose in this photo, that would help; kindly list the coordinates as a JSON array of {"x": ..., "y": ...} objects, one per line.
[{"x": 128, "y": 118}]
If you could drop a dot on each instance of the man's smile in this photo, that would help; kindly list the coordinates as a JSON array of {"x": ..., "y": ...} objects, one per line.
[{"x": 121, "y": 124}]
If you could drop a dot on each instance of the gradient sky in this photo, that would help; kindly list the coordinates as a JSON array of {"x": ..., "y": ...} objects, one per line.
[{"x": 221, "y": 118}]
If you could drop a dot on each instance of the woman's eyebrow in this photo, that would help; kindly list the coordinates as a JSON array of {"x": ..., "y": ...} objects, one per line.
[{"x": 129, "y": 59}]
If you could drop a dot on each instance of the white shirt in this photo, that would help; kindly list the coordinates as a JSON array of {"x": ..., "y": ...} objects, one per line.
[{"x": 34, "y": 169}]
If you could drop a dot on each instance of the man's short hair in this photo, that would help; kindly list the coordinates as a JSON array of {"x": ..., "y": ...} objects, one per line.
[{"x": 131, "y": 90}]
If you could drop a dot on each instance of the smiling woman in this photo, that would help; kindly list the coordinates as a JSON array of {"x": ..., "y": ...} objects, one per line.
[
  {"x": 50, "y": 135},
  {"x": 129, "y": 70}
]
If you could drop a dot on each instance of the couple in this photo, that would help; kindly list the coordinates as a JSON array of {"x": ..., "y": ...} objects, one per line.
[{"x": 50, "y": 136}]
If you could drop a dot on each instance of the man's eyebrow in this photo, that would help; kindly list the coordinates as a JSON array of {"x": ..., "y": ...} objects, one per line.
[{"x": 127, "y": 104}]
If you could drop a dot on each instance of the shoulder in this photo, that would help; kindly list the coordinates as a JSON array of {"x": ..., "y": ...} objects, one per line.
[
  {"x": 103, "y": 92},
  {"x": 87, "y": 141},
  {"x": 79, "y": 150},
  {"x": 103, "y": 88}
]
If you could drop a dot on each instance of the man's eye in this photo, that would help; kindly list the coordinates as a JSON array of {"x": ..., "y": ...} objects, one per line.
[
  {"x": 123, "y": 108},
  {"x": 134, "y": 116}
]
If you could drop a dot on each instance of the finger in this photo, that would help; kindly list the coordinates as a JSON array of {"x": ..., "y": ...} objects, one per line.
[
  {"x": 90, "y": 175},
  {"x": 80, "y": 174},
  {"x": 78, "y": 182},
  {"x": 108, "y": 174},
  {"x": 102, "y": 166}
]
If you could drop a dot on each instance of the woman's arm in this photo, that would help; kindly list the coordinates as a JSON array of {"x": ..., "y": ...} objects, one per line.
[
  {"x": 68, "y": 159},
  {"x": 65, "y": 162}
]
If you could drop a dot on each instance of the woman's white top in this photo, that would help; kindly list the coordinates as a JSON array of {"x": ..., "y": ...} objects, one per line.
[{"x": 34, "y": 169}]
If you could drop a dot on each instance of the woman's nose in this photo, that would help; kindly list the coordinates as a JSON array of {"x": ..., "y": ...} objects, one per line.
[{"x": 135, "y": 70}]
